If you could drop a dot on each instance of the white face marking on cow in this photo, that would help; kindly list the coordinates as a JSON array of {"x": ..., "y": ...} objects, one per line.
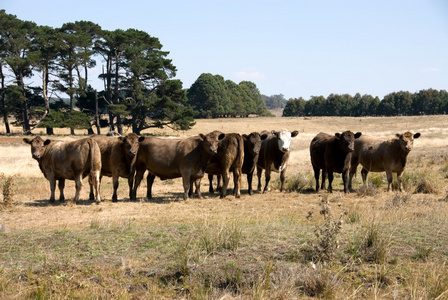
[{"x": 284, "y": 140}]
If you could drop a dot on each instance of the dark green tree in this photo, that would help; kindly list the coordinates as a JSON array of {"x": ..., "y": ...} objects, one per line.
[{"x": 15, "y": 43}]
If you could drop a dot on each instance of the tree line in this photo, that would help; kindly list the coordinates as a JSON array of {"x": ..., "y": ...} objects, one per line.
[{"x": 403, "y": 103}]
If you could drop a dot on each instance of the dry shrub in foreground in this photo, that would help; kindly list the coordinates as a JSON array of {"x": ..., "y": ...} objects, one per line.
[{"x": 8, "y": 190}]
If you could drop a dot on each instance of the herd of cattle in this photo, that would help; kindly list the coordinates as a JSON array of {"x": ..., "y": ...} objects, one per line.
[{"x": 215, "y": 153}]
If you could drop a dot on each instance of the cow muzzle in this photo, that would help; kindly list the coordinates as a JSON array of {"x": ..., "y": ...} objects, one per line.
[
  {"x": 408, "y": 148},
  {"x": 285, "y": 149},
  {"x": 36, "y": 156}
]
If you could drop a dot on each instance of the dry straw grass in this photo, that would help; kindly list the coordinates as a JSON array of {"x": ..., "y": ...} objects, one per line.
[{"x": 266, "y": 246}]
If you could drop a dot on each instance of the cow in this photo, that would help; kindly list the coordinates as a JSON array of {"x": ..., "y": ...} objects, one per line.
[
  {"x": 377, "y": 155},
  {"x": 74, "y": 160},
  {"x": 252, "y": 145},
  {"x": 172, "y": 158},
  {"x": 118, "y": 155},
  {"x": 229, "y": 158},
  {"x": 274, "y": 156},
  {"x": 332, "y": 153}
]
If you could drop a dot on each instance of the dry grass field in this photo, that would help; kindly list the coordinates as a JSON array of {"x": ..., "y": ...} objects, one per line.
[{"x": 370, "y": 244}]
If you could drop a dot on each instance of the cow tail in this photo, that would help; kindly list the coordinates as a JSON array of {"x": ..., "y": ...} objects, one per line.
[
  {"x": 240, "y": 157},
  {"x": 95, "y": 172}
]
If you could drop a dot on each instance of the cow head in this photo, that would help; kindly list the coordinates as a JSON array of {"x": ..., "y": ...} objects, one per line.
[
  {"x": 253, "y": 142},
  {"x": 211, "y": 140},
  {"x": 347, "y": 140},
  {"x": 407, "y": 140},
  {"x": 38, "y": 146},
  {"x": 131, "y": 143},
  {"x": 284, "y": 138}
]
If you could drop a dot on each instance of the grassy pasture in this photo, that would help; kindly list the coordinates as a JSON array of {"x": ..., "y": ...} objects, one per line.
[{"x": 371, "y": 244}]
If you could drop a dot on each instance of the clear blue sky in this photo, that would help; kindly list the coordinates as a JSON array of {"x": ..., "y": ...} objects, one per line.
[{"x": 295, "y": 48}]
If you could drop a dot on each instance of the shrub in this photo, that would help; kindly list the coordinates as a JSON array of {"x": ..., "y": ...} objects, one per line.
[{"x": 8, "y": 189}]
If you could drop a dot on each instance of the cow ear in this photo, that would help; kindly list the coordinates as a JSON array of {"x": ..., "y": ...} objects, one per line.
[
  {"x": 221, "y": 136},
  {"x": 417, "y": 135},
  {"x": 47, "y": 142},
  {"x": 338, "y": 135},
  {"x": 263, "y": 136},
  {"x": 294, "y": 133},
  {"x": 398, "y": 135},
  {"x": 245, "y": 136},
  {"x": 26, "y": 140},
  {"x": 141, "y": 139},
  {"x": 202, "y": 136},
  {"x": 122, "y": 138},
  {"x": 357, "y": 135}
]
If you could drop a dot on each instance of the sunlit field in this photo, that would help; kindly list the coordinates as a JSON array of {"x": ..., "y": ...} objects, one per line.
[{"x": 370, "y": 244}]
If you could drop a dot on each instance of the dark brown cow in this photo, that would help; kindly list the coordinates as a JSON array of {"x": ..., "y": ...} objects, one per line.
[
  {"x": 252, "y": 146},
  {"x": 331, "y": 153},
  {"x": 274, "y": 156},
  {"x": 172, "y": 158},
  {"x": 68, "y": 160},
  {"x": 376, "y": 155},
  {"x": 118, "y": 156},
  {"x": 229, "y": 158}
]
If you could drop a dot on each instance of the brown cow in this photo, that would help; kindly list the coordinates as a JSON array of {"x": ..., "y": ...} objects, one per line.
[
  {"x": 252, "y": 145},
  {"x": 376, "y": 155},
  {"x": 172, "y": 158},
  {"x": 331, "y": 153},
  {"x": 229, "y": 158},
  {"x": 274, "y": 156},
  {"x": 68, "y": 160},
  {"x": 118, "y": 156}
]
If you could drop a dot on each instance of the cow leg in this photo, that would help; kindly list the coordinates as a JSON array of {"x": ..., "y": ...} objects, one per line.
[
  {"x": 389, "y": 179},
  {"x": 400, "y": 181},
  {"x": 94, "y": 181},
  {"x": 218, "y": 183},
  {"x": 138, "y": 179},
  {"x": 78, "y": 185},
  {"x": 225, "y": 184},
  {"x": 324, "y": 177},
  {"x": 316, "y": 177},
  {"x": 210, "y": 180},
  {"x": 352, "y": 173},
  {"x": 190, "y": 190},
  {"x": 115, "y": 182},
  {"x": 259, "y": 173},
  {"x": 364, "y": 173},
  {"x": 282, "y": 180},
  {"x": 149, "y": 182},
  {"x": 249, "y": 183},
  {"x": 237, "y": 178},
  {"x": 344, "y": 180},
  {"x": 61, "y": 185},
  {"x": 197, "y": 183},
  {"x": 330, "y": 181},
  {"x": 130, "y": 183},
  {"x": 267, "y": 175},
  {"x": 186, "y": 183}
]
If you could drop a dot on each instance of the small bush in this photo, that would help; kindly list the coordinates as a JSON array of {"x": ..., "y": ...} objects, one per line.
[
  {"x": 367, "y": 190},
  {"x": 327, "y": 233},
  {"x": 398, "y": 200},
  {"x": 372, "y": 245},
  {"x": 8, "y": 190},
  {"x": 296, "y": 183}
]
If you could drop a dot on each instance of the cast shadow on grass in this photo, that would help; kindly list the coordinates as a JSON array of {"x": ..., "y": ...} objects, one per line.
[{"x": 46, "y": 202}]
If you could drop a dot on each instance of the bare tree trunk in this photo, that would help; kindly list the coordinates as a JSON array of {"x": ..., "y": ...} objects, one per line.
[
  {"x": 97, "y": 116},
  {"x": 3, "y": 103}
]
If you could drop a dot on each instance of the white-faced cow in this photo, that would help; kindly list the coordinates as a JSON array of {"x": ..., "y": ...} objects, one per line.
[
  {"x": 118, "y": 156},
  {"x": 377, "y": 155},
  {"x": 75, "y": 160},
  {"x": 172, "y": 158},
  {"x": 331, "y": 153},
  {"x": 274, "y": 156},
  {"x": 229, "y": 158}
]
